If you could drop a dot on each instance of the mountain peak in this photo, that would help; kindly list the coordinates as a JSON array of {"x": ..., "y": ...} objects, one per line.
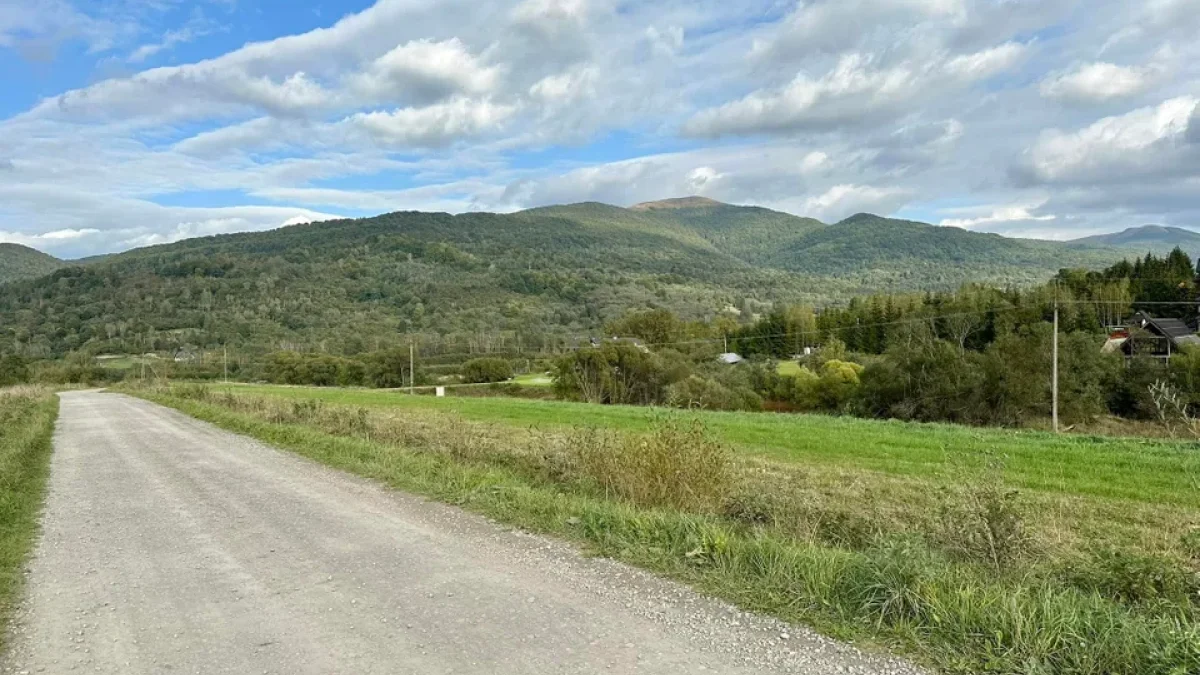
[
  {"x": 1159, "y": 238},
  {"x": 677, "y": 203}
]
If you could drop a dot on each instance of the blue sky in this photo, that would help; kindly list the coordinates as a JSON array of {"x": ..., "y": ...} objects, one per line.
[{"x": 134, "y": 122}]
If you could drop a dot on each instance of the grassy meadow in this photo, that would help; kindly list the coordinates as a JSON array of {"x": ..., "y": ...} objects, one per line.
[
  {"x": 974, "y": 551},
  {"x": 27, "y": 417},
  {"x": 1147, "y": 471}
]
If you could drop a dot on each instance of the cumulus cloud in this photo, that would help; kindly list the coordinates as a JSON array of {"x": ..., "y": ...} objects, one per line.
[
  {"x": 1096, "y": 83},
  {"x": 1002, "y": 215},
  {"x": 842, "y": 201},
  {"x": 435, "y": 125},
  {"x": 423, "y": 71},
  {"x": 1148, "y": 140},
  {"x": 855, "y": 90},
  {"x": 859, "y": 89}
]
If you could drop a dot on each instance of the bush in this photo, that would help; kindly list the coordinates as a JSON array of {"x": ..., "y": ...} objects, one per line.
[
  {"x": 614, "y": 372},
  {"x": 486, "y": 370},
  {"x": 13, "y": 370},
  {"x": 704, "y": 393},
  {"x": 678, "y": 464},
  {"x": 321, "y": 370},
  {"x": 982, "y": 519}
]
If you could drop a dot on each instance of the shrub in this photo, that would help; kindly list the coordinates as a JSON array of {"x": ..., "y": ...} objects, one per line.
[
  {"x": 678, "y": 464},
  {"x": 614, "y": 372},
  {"x": 982, "y": 520},
  {"x": 704, "y": 393},
  {"x": 13, "y": 370},
  {"x": 487, "y": 370},
  {"x": 839, "y": 382}
]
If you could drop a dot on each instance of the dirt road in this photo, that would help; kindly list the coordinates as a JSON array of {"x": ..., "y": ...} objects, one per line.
[{"x": 172, "y": 546}]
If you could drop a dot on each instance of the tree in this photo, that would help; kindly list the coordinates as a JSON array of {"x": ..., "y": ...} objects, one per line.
[
  {"x": 614, "y": 372},
  {"x": 487, "y": 370},
  {"x": 13, "y": 370}
]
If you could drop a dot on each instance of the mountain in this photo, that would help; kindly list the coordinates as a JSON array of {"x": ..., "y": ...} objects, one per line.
[
  {"x": 897, "y": 254},
  {"x": 1148, "y": 238},
  {"x": 533, "y": 279},
  {"x": 21, "y": 262},
  {"x": 750, "y": 233}
]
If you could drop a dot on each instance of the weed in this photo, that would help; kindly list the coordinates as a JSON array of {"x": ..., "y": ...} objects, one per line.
[
  {"x": 982, "y": 518},
  {"x": 679, "y": 464}
]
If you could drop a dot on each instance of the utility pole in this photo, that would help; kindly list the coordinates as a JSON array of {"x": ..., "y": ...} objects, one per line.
[
  {"x": 1054, "y": 366},
  {"x": 412, "y": 370},
  {"x": 225, "y": 349}
]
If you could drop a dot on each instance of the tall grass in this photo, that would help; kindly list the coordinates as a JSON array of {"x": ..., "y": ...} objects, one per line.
[
  {"x": 944, "y": 595},
  {"x": 679, "y": 464},
  {"x": 26, "y": 426}
]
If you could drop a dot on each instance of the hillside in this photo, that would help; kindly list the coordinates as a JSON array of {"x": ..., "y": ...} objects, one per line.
[
  {"x": 750, "y": 233},
  {"x": 899, "y": 254},
  {"x": 1146, "y": 239},
  {"x": 528, "y": 280},
  {"x": 21, "y": 262}
]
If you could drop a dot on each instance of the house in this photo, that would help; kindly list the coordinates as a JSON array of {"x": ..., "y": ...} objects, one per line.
[
  {"x": 730, "y": 358},
  {"x": 187, "y": 355},
  {"x": 1156, "y": 337}
]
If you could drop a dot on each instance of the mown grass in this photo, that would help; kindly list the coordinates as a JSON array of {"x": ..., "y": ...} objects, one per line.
[
  {"x": 1142, "y": 470},
  {"x": 961, "y": 571},
  {"x": 27, "y": 417}
]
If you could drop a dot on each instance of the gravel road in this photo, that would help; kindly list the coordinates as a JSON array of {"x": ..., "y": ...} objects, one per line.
[{"x": 172, "y": 546}]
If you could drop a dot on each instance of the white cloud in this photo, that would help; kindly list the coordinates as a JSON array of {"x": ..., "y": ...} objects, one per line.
[
  {"x": 836, "y": 25},
  {"x": 196, "y": 92},
  {"x": 1096, "y": 83},
  {"x": 859, "y": 89},
  {"x": 986, "y": 63},
  {"x": 1019, "y": 213},
  {"x": 45, "y": 239},
  {"x": 854, "y": 90},
  {"x": 1148, "y": 140},
  {"x": 842, "y": 201},
  {"x": 423, "y": 71},
  {"x": 433, "y": 126}
]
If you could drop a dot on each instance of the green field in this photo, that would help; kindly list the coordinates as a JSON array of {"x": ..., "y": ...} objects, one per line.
[
  {"x": 788, "y": 368},
  {"x": 1139, "y": 470},
  {"x": 534, "y": 380}
]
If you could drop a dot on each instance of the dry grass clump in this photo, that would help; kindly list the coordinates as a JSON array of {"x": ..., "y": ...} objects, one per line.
[{"x": 679, "y": 464}]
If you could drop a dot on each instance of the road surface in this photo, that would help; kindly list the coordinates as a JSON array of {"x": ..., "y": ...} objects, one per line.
[{"x": 170, "y": 546}]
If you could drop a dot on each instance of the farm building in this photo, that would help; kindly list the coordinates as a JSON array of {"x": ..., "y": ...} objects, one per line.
[
  {"x": 1156, "y": 337},
  {"x": 730, "y": 358}
]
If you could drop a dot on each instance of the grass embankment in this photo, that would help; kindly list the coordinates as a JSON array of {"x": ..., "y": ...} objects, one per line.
[
  {"x": 953, "y": 566},
  {"x": 27, "y": 417}
]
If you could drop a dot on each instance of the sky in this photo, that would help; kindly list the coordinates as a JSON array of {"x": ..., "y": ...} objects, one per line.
[{"x": 127, "y": 123}]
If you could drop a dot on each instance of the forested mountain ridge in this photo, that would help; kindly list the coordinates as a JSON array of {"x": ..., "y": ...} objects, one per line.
[
  {"x": 904, "y": 254},
  {"x": 530, "y": 279},
  {"x": 1147, "y": 238},
  {"x": 21, "y": 262}
]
